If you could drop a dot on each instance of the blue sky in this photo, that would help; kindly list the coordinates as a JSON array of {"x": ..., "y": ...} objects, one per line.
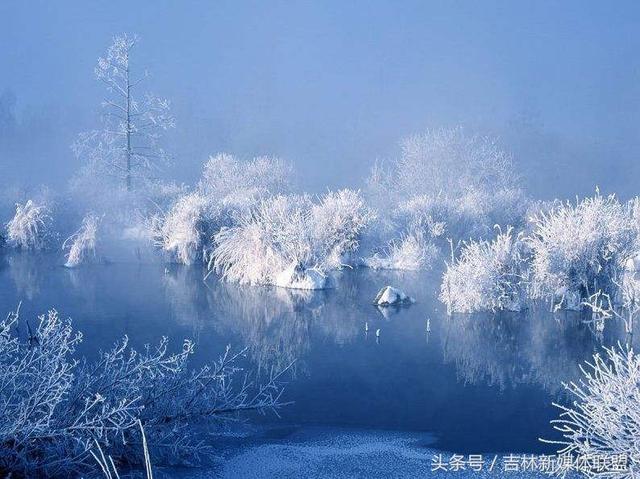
[{"x": 332, "y": 86}]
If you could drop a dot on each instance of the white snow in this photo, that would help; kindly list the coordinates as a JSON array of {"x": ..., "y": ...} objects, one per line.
[
  {"x": 297, "y": 277},
  {"x": 389, "y": 295}
]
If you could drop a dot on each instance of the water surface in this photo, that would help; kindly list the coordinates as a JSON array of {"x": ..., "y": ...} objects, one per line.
[{"x": 474, "y": 384}]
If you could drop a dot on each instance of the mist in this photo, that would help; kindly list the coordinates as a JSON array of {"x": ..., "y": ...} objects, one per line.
[{"x": 333, "y": 87}]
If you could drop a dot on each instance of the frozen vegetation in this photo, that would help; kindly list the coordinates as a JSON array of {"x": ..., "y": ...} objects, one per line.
[
  {"x": 445, "y": 184},
  {"x": 228, "y": 189},
  {"x": 567, "y": 255},
  {"x": 411, "y": 252},
  {"x": 453, "y": 177},
  {"x": 81, "y": 246},
  {"x": 29, "y": 227},
  {"x": 292, "y": 241},
  {"x": 56, "y": 407},
  {"x": 603, "y": 418},
  {"x": 245, "y": 221},
  {"x": 579, "y": 249},
  {"x": 181, "y": 232},
  {"x": 487, "y": 276},
  {"x": 126, "y": 152}
]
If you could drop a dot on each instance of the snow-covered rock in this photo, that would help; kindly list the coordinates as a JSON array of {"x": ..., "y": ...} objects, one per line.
[
  {"x": 389, "y": 295},
  {"x": 297, "y": 277}
]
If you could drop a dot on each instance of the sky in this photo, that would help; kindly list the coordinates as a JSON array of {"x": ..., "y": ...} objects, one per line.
[{"x": 332, "y": 86}]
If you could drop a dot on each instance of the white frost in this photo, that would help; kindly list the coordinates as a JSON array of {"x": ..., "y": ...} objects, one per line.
[
  {"x": 28, "y": 227},
  {"x": 82, "y": 244}
]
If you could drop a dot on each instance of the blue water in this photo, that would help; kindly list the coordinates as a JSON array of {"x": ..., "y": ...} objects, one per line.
[{"x": 475, "y": 384}]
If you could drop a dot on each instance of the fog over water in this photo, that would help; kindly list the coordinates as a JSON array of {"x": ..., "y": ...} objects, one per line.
[{"x": 333, "y": 86}]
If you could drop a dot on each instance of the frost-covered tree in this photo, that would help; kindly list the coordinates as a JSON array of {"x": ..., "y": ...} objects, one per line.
[
  {"x": 445, "y": 161},
  {"x": 445, "y": 183},
  {"x": 226, "y": 177},
  {"x": 227, "y": 190},
  {"x": 603, "y": 419},
  {"x": 451, "y": 162},
  {"x": 56, "y": 407},
  {"x": 127, "y": 146}
]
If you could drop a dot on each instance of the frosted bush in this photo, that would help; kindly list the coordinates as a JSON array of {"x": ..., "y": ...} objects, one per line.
[
  {"x": 413, "y": 252},
  {"x": 224, "y": 175},
  {"x": 182, "y": 230},
  {"x": 81, "y": 245},
  {"x": 291, "y": 234},
  {"x": 581, "y": 249},
  {"x": 603, "y": 419},
  {"x": 487, "y": 276},
  {"x": 29, "y": 227},
  {"x": 265, "y": 241},
  {"x": 444, "y": 162},
  {"x": 56, "y": 407},
  {"x": 338, "y": 222},
  {"x": 228, "y": 189},
  {"x": 449, "y": 184},
  {"x": 449, "y": 161}
]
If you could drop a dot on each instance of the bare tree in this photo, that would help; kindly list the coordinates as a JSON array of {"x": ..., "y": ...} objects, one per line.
[{"x": 127, "y": 147}]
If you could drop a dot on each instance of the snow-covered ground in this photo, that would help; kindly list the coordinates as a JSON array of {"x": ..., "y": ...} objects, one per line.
[{"x": 339, "y": 453}]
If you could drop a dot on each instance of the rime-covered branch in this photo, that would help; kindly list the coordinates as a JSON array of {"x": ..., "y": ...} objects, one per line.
[{"x": 55, "y": 408}]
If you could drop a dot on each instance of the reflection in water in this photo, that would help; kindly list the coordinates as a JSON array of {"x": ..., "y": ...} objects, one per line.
[
  {"x": 277, "y": 324},
  {"x": 507, "y": 349},
  {"x": 425, "y": 372},
  {"x": 186, "y": 294},
  {"x": 83, "y": 283},
  {"x": 27, "y": 273}
]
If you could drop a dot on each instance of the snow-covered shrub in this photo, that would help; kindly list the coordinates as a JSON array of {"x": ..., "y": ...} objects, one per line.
[
  {"x": 224, "y": 176},
  {"x": 182, "y": 230},
  {"x": 603, "y": 419},
  {"x": 228, "y": 189},
  {"x": 338, "y": 221},
  {"x": 291, "y": 236},
  {"x": 449, "y": 185},
  {"x": 412, "y": 252},
  {"x": 81, "y": 245},
  {"x": 29, "y": 227},
  {"x": 265, "y": 242},
  {"x": 582, "y": 248},
  {"x": 450, "y": 161},
  {"x": 487, "y": 276},
  {"x": 56, "y": 407}
]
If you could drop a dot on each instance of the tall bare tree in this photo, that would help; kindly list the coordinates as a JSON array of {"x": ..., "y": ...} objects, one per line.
[{"x": 127, "y": 146}]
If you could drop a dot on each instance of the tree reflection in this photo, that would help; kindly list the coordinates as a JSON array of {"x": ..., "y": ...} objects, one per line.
[{"x": 509, "y": 349}]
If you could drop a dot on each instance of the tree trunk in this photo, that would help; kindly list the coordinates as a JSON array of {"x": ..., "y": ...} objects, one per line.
[{"x": 128, "y": 153}]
